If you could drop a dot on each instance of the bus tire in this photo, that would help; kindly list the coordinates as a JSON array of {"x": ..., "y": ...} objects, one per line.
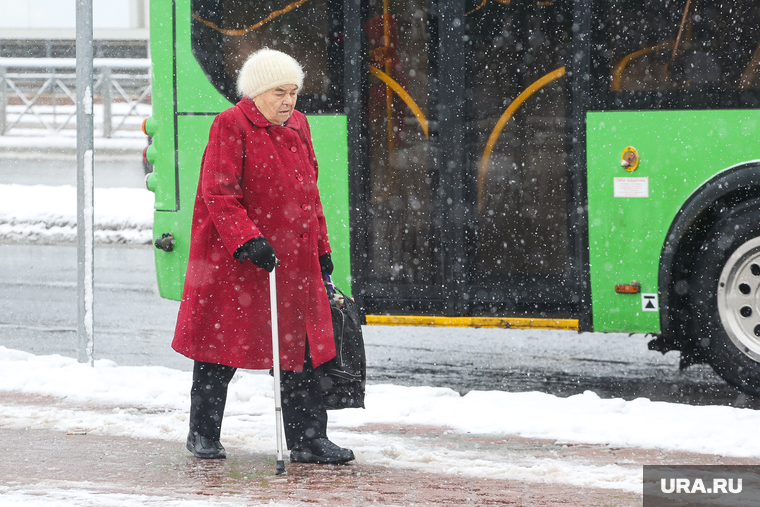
[{"x": 725, "y": 296}]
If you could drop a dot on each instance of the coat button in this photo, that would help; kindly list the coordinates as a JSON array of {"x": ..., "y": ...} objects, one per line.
[
  {"x": 304, "y": 207},
  {"x": 299, "y": 177},
  {"x": 293, "y": 149},
  {"x": 305, "y": 235}
]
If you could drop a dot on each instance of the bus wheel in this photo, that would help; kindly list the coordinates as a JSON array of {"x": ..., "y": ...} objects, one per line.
[{"x": 725, "y": 294}]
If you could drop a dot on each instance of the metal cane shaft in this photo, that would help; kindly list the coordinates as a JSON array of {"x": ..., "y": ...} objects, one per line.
[{"x": 276, "y": 369}]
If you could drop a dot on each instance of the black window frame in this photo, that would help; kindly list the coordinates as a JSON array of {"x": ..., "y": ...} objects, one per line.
[
  {"x": 604, "y": 99},
  {"x": 205, "y": 44}
]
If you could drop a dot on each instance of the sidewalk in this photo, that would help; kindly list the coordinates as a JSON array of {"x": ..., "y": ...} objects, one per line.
[{"x": 100, "y": 469}]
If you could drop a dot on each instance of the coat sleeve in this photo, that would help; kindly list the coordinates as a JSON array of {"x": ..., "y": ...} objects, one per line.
[
  {"x": 221, "y": 177},
  {"x": 323, "y": 245}
]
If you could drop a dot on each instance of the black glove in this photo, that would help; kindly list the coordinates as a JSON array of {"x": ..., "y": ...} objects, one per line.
[
  {"x": 259, "y": 251},
  {"x": 325, "y": 262}
]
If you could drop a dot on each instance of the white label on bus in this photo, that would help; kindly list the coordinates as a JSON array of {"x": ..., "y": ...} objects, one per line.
[
  {"x": 631, "y": 187},
  {"x": 649, "y": 302}
]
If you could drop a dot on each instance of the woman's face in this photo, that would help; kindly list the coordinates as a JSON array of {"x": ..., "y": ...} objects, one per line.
[{"x": 278, "y": 103}]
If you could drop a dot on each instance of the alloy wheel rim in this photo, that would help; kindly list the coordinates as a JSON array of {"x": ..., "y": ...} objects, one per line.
[{"x": 739, "y": 298}]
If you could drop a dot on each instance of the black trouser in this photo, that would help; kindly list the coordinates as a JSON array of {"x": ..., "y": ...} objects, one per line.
[{"x": 303, "y": 411}]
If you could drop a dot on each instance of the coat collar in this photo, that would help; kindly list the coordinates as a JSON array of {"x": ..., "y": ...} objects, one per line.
[{"x": 254, "y": 115}]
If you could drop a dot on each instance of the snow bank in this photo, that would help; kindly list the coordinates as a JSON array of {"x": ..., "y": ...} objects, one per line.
[{"x": 48, "y": 214}]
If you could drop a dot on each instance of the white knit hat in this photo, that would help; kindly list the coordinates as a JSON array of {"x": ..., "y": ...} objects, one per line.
[{"x": 266, "y": 69}]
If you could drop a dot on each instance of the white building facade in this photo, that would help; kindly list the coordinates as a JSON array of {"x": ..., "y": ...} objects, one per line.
[{"x": 56, "y": 19}]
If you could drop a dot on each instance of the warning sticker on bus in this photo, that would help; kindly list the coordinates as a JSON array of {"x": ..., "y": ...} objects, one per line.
[
  {"x": 649, "y": 303},
  {"x": 631, "y": 187}
]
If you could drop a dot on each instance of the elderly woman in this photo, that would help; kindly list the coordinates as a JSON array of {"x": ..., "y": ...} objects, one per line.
[{"x": 257, "y": 204}]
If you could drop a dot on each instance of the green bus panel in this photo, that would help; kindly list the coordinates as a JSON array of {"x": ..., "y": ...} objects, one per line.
[
  {"x": 160, "y": 126},
  {"x": 330, "y": 137},
  {"x": 679, "y": 151},
  {"x": 171, "y": 266}
]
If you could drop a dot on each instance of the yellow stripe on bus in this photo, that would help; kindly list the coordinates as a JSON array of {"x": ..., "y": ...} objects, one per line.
[{"x": 502, "y": 322}]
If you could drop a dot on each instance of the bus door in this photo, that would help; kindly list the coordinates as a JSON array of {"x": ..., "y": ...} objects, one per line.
[
  {"x": 520, "y": 256},
  {"x": 397, "y": 252},
  {"x": 465, "y": 170}
]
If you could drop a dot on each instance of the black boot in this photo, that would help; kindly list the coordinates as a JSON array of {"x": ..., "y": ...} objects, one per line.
[
  {"x": 305, "y": 417},
  {"x": 208, "y": 398},
  {"x": 320, "y": 451},
  {"x": 205, "y": 448}
]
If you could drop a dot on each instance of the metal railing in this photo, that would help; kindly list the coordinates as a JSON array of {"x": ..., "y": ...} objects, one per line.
[{"x": 41, "y": 93}]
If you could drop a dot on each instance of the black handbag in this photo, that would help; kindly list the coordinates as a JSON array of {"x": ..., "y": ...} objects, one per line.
[{"x": 344, "y": 377}]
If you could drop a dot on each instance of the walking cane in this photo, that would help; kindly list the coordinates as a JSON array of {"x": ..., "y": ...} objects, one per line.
[{"x": 276, "y": 370}]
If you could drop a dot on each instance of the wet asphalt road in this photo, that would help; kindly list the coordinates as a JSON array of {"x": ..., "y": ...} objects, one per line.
[{"x": 134, "y": 326}]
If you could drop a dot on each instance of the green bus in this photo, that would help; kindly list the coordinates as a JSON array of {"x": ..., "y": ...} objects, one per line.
[{"x": 586, "y": 164}]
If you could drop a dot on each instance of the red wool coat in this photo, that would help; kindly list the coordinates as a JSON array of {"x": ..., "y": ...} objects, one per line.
[{"x": 257, "y": 179}]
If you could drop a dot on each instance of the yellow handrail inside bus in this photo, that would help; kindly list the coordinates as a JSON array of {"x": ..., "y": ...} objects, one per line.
[
  {"x": 617, "y": 73},
  {"x": 483, "y": 4},
  {"x": 253, "y": 27},
  {"x": 750, "y": 73},
  {"x": 385, "y": 78},
  {"x": 514, "y": 106}
]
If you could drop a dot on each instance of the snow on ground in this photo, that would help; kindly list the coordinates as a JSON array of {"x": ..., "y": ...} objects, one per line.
[
  {"x": 152, "y": 402},
  {"x": 48, "y": 214},
  {"x": 79, "y": 497}
]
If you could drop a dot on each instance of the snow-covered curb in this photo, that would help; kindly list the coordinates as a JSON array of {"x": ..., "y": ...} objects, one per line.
[
  {"x": 152, "y": 403},
  {"x": 47, "y": 214}
]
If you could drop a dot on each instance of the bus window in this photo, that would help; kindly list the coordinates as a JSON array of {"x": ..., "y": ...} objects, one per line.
[
  {"x": 517, "y": 106},
  {"x": 399, "y": 169},
  {"x": 678, "y": 45},
  {"x": 226, "y": 32}
]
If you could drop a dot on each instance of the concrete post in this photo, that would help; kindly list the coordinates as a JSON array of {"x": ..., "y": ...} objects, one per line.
[{"x": 105, "y": 93}]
